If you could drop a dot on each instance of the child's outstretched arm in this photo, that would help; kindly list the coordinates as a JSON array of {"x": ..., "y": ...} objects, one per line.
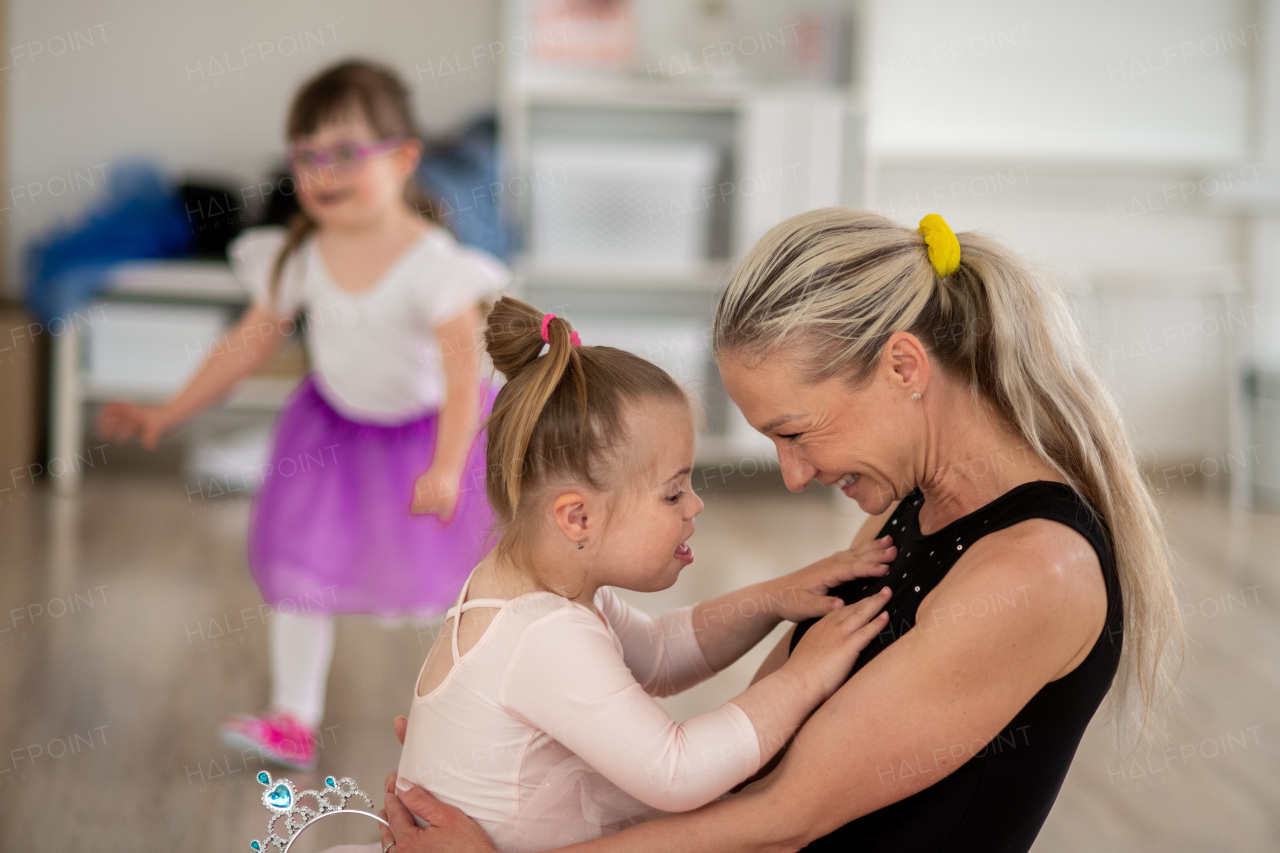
[
  {"x": 437, "y": 490},
  {"x": 240, "y": 352},
  {"x": 566, "y": 678},
  {"x": 672, "y": 652}
]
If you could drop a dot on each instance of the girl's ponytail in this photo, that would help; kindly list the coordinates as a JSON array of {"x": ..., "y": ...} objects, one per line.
[
  {"x": 513, "y": 338},
  {"x": 301, "y": 227}
]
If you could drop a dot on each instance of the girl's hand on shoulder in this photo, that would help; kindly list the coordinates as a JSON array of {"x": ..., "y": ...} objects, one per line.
[
  {"x": 436, "y": 493},
  {"x": 803, "y": 593},
  {"x": 123, "y": 421}
]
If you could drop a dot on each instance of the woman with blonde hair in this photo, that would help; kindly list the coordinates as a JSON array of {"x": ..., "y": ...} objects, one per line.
[{"x": 934, "y": 380}]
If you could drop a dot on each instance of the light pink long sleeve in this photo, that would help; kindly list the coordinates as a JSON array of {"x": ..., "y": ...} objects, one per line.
[
  {"x": 662, "y": 652},
  {"x": 546, "y": 731},
  {"x": 567, "y": 678}
]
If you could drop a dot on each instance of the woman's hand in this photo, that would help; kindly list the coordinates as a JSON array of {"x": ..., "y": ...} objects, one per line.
[
  {"x": 803, "y": 593},
  {"x": 122, "y": 421},
  {"x": 451, "y": 831},
  {"x": 436, "y": 492},
  {"x": 826, "y": 653},
  {"x": 450, "y": 828}
]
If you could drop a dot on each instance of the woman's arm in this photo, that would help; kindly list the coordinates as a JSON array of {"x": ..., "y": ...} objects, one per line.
[
  {"x": 240, "y": 352},
  {"x": 436, "y": 491},
  {"x": 938, "y": 694}
]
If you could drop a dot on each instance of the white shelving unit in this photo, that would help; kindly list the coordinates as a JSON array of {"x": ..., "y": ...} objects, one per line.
[{"x": 782, "y": 147}]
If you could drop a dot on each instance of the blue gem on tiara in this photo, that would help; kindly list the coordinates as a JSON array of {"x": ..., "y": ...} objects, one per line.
[
  {"x": 283, "y": 800},
  {"x": 279, "y": 797}
]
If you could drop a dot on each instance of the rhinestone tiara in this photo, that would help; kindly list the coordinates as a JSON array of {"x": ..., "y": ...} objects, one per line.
[{"x": 283, "y": 801}]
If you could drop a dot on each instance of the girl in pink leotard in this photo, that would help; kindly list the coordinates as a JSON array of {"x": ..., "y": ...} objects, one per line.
[{"x": 534, "y": 710}]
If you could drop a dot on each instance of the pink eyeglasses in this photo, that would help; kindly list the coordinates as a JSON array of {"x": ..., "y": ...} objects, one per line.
[{"x": 339, "y": 156}]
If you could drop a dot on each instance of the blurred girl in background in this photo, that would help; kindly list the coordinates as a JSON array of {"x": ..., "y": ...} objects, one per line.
[{"x": 383, "y": 433}]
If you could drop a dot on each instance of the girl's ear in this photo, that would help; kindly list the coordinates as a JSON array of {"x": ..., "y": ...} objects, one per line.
[
  {"x": 408, "y": 156},
  {"x": 570, "y": 511}
]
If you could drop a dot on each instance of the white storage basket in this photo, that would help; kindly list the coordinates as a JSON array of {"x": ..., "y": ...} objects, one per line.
[
  {"x": 150, "y": 350},
  {"x": 639, "y": 207},
  {"x": 680, "y": 347}
]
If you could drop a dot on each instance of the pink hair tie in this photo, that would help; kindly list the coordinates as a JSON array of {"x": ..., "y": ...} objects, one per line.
[{"x": 574, "y": 340}]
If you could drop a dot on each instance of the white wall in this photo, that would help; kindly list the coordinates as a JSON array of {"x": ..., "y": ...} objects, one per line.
[
  {"x": 1105, "y": 142},
  {"x": 1141, "y": 81},
  {"x": 1093, "y": 136},
  {"x": 203, "y": 87}
]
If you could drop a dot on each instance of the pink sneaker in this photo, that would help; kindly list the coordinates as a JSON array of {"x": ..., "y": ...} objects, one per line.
[{"x": 277, "y": 736}]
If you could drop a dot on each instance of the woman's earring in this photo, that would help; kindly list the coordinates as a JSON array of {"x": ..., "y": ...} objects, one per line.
[
  {"x": 579, "y": 544},
  {"x": 916, "y": 395}
]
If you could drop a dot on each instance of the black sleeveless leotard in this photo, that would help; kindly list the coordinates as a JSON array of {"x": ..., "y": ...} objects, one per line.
[{"x": 999, "y": 798}]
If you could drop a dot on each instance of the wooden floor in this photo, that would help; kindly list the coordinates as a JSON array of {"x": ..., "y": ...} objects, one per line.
[{"x": 129, "y": 627}]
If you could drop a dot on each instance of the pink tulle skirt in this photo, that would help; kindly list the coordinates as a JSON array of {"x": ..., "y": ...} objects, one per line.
[{"x": 331, "y": 531}]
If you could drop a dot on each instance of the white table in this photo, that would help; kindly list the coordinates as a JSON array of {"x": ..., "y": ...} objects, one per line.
[{"x": 207, "y": 283}]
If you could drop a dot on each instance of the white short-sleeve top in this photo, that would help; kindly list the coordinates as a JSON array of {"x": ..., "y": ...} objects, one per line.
[
  {"x": 546, "y": 731},
  {"x": 374, "y": 353}
]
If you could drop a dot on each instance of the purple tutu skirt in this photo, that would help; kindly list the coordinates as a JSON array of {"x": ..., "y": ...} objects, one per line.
[{"x": 331, "y": 531}]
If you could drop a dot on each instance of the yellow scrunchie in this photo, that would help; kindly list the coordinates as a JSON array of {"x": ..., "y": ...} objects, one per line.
[{"x": 944, "y": 248}]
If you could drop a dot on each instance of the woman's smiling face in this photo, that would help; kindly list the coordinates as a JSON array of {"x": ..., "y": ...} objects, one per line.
[{"x": 861, "y": 439}]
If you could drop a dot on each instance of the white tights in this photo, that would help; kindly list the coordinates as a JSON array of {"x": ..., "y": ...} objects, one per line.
[{"x": 301, "y": 649}]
